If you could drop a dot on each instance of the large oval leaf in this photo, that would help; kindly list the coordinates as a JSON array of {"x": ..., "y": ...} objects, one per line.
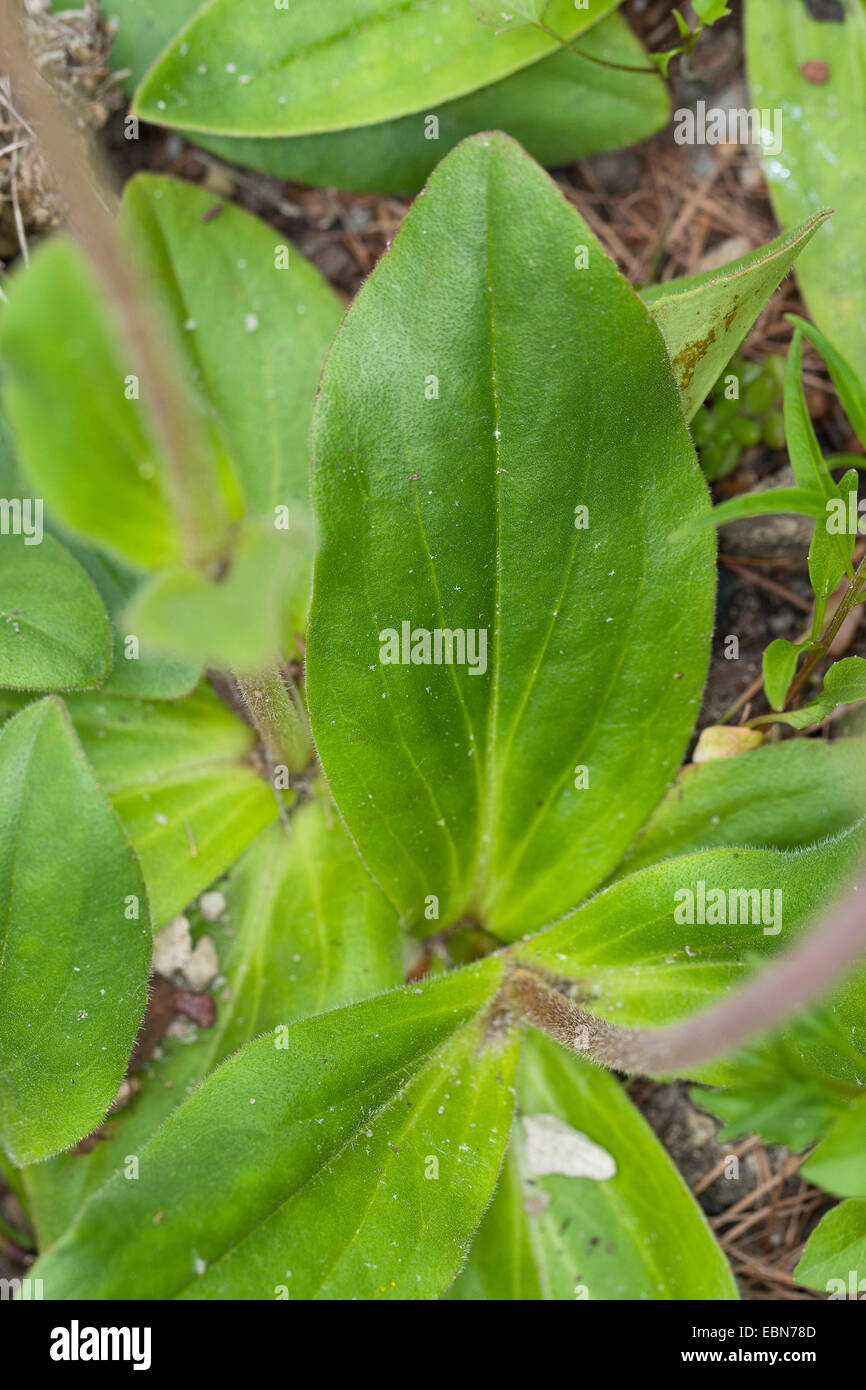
[
  {"x": 562, "y": 108},
  {"x": 76, "y": 949},
  {"x": 476, "y": 398},
  {"x": 243, "y": 68},
  {"x": 380, "y": 1127}
]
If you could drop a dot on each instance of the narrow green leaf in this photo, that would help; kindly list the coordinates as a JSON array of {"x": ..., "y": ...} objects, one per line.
[
  {"x": 76, "y": 950},
  {"x": 782, "y": 796},
  {"x": 54, "y": 631},
  {"x": 675, "y": 936},
  {"x": 844, "y": 684},
  {"x": 779, "y": 665},
  {"x": 705, "y": 317},
  {"x": 804, "y": 450},
  {"x": 831, "y": 550},
  {"x": 798, "y": 500},
  {"x": 850, "y": 387},
  {"x": 811, "y": 155},
  {"x": 552, "y": 1235},
  {"x": 239, "y": 68},
  {"x": 835, "y": 1254},
  {"x": 505, "y": 787},
  {"x": 330, "y": 1125},
  {"x": 300, "y": 901},
  {"x": 839, "y": 1162}
]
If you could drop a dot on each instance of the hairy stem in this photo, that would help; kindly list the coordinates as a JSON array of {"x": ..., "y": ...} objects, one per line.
[
  {"x": 276, "y": 709},
  {"x": 795, "y": 978}
]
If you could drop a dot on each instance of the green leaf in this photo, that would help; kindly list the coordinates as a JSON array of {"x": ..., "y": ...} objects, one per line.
[
  {"x": 839, "y": 1162},
  {"x": 241, "y": 621},
  {"x": 11, "y": 482},
  {"x": 656, "y": 945},
  {"x": 705, "y": 317},
  {"x": 130, "y": 742},
  {"x": 799, "y": 500},
  {"x": 303, "y": 903},
  {"x": 850, "y": 387},
  {"x": 239, "y": 68},
  {"x": 54, "y": 631},
  {"x": 844, "y": 684},
  {"x": 822, "y": 130},
  {"x": 88, "y": 449},
  {"x": 76, "y": 953},
  {"x": 779, "y": 665},
  {"x": 251, "y": 320},
  {"x": 790, "y": 1087},
  {"x": 502, "y": 1264},
  {"x": 561, "y": 109},
  {"x": 462, "y": 786},
  {"x": 682, "y": 26},
  {"x": 551, "y": 1235},
  {"x": 831, "y": 552},
  {"x": 782, "y": 796},
  {"x": 138, "y": 670},
  {"x": 517, "y": 16},
  {"x": 804, "y": 450},
  {"x": 349, "y": 1111},
  {"x": 181, "y": 776},
  {"x": 835, "y": 1253},
  {"x": 710, "y": 11},
  {"x": 180, "y": 779}
]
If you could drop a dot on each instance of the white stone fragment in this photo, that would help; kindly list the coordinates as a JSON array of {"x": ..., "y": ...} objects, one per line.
[
  {"x": 552, "y": 1146},
  {"x": 202, "y": 965},
  {"x": 212, "y": 905},
  {"x": 172, "y": 947}
]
